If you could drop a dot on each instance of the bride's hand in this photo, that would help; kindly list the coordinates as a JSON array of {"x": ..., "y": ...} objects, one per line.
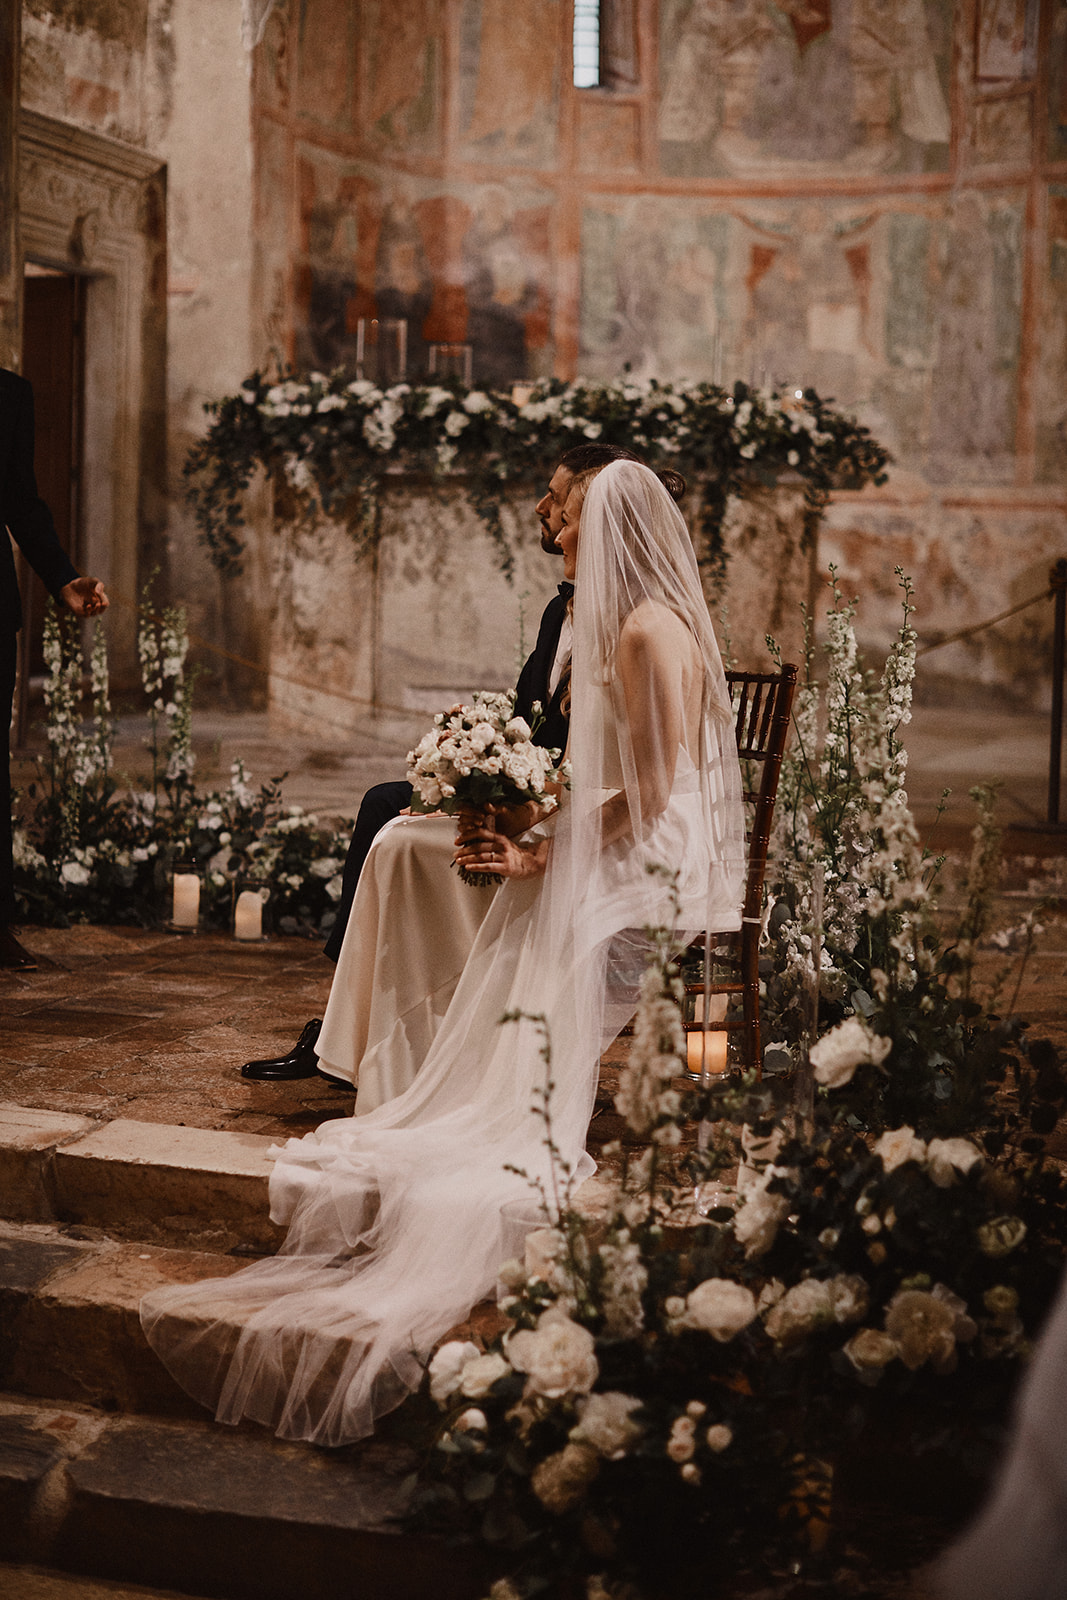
[{"x": 484, "y": 850}]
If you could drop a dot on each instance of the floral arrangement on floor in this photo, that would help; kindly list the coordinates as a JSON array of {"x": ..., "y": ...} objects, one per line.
[
  {"x": 697, "y": 1367},
  {"x": 88, "y": 850},
  {"x": 335, "y": 441}
]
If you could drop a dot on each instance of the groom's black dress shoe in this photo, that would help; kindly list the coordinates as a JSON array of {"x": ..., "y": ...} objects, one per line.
[
  {"x": 301, "y": 1062},
  {"x": 13, "y": 956}
]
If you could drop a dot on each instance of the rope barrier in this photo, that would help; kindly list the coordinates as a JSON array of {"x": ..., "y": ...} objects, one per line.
[
  {"x": 270, "y": 672},
  {"x": 990, "y": 622}
]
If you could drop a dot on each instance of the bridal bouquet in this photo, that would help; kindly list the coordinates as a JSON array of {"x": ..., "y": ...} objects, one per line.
[{"x": 480, "y": 755}]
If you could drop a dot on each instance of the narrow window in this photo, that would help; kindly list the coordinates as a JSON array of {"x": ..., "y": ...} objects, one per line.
[{"x": 586, "y": 44}]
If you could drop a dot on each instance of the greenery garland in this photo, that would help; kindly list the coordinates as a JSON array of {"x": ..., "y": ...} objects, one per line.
[{"x": 339, "y": 440}]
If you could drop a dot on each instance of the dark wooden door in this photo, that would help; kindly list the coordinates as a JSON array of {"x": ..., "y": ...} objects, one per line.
[{"x": 53, "y": 361}]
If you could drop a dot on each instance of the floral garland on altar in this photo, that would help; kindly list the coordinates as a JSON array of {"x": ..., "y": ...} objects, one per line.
[{"x": 337, "y": 440}]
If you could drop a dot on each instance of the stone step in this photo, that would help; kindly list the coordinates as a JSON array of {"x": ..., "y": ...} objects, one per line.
[
  {"x": 231, "y": 1513},
  {"x": 137, "y": 1180},
  {"x": 69, "y": 1323},
  {"x": 23, "y": 1581}
]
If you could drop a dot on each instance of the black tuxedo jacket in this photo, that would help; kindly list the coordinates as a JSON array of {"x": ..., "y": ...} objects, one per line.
[
  {"x": 22, "y": 510},
  {"x": 533, "y": 679}
]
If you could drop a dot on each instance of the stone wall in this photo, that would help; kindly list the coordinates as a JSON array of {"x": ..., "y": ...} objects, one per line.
[
  {"x": 164, "y": 84},
  {"x": 869, "y": 199}
]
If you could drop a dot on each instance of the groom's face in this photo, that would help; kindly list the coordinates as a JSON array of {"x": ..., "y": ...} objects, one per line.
[{"x": 550, "y": 509}]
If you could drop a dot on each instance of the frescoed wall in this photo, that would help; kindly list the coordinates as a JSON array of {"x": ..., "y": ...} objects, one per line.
[{"x": 864, "y": 196}]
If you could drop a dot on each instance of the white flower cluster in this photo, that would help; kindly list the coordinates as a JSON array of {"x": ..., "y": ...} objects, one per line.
[
  {"x": 644, "y": 1095},
  {"x": 838, "y": 1053},
  {"x": 471, "y": 744}
]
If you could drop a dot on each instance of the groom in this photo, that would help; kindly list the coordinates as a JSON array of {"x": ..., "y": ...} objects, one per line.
[
  {"x": 26, "y": 517},
  {"x": 541, "y": 679}
]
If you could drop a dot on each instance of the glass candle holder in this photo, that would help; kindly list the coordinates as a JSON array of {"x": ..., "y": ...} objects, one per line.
[
  {"x": 455, "y": 361},
  {"x": 707, "y": 1043},
  {"x": 382, "y": 350}
]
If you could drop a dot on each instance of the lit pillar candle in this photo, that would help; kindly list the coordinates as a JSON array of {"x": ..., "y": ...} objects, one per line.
[
  {"x": 186, "y": 908},
  {"x": 248, "y": 915},
  {"x": 706, "y": 1049}
]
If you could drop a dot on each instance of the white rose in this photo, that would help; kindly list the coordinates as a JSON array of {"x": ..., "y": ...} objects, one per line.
[
  {"x": 74, "y": 872},
  {"x": 756, "y": 1222},
  {"x": 946, "y": 1157},
  {"x": 682, "y": 1442},
  {"x": 898, "y": 1146},
  {"x": 870, "y": 1350},
  {"x": 838, "y": 1053},
  {"x": 719, "y": 1437},
  {"x": 605, "y": 1423},
  {"x": 720, "y": 1307},
  {"x": 447, "y": 1365},
  {"x": 803, "y": 1308},
  {"x": 557, "y": 1356},
  {"x": 480, "y": 1374}
]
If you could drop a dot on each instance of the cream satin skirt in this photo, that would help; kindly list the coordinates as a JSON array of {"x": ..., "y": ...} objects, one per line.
[{"x": 412, "y": 927}]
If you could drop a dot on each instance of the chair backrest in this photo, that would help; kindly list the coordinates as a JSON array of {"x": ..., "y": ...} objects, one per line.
[{"x": 762, "y": 703}]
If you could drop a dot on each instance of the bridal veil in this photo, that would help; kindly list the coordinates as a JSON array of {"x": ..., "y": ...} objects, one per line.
[{"x": 394, "y": 1217}]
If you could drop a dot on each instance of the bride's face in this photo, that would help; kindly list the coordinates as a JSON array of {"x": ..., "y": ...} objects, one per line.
[{"x": 567, "y": 538}]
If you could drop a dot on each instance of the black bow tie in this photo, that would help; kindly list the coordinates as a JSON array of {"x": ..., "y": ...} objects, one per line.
[{"x": 566, "y": 589}]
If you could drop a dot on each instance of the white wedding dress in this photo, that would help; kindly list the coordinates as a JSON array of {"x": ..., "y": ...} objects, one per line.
[{"x": 394, "y": 1216}]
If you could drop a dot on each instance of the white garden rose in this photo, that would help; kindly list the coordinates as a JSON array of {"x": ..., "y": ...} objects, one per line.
[
  {"x": 757, "y": 1221},
  {"x": 849, "y": 1296},
  {"x": 870, "y": 1350},
  {"x": 898, "y": 1146},
  {"x": 719, "y": 1437},
  {"x": 447, "y": 1365},
  {"x": 682, "y": 1443},
  {"x": 720, "y": 1307},
  {"x": 605, "y": 1421},
  {"x": 838, "y": 1053},
  {"x": 1001, "y": 1236},
  {"x": 560, "y": 1480},
  {"x": 802, "y": 1309},
  {"x": 480, "y": 1374},
  {"x": 946, "y": 1157},
  {"x": 923, "y": 1327},
  {"x": 558, "y": 1356}
]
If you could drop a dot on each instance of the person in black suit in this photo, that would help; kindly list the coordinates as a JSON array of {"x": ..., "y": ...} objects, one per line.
[
  {"x": 541, "y": 680},
  {"x": 29, "y": 521}
]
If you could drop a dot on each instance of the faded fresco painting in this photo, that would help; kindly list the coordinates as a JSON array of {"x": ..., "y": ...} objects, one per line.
[
  {"x": 977, "y": 329},
  {"x": 509, "y": 80},
  {"x": 750, "y": 87},
  {"x": 400, "y": 44},
  {"x": 459, "y": 264},
  {"x": 1051, "y": 392},
  {"x": 910, "y": 310},
  {"x": 654, "y": 295},
  {"x": 1006, "y": 40},
  {"x": 1057, "y": 88}
]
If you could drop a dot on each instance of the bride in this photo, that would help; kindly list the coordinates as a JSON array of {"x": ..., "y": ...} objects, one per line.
[{"x": 394, "y": 1217}]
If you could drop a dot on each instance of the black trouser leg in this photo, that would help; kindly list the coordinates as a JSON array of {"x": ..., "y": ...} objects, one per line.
[
  {"x": 8, "y": 657},
  {"x": 378, "y": 806}
]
